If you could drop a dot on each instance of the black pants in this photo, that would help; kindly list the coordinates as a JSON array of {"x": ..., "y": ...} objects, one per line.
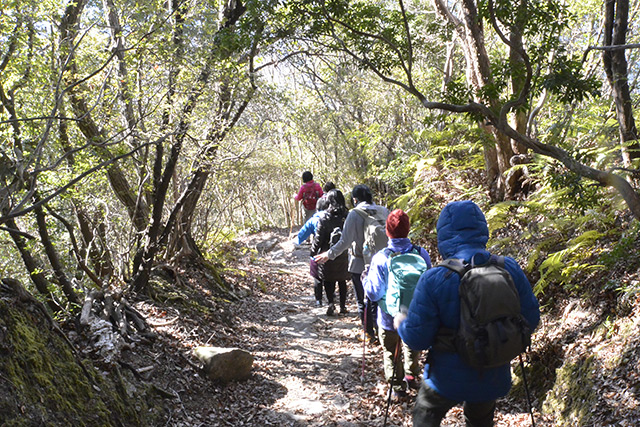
[
  {"x": 317, "y": 289},
  {"x": 342, "y": 292},
  {"x": 365, "y": 305},
  {"x": 330, "y": 290},
  {"x": 431, "y": 407}
]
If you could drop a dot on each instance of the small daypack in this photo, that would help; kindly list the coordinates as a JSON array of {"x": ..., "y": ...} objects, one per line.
[
  {"x": 405, "y": 270},
  {"x": 375, "y": 236},
  {"x": 492, "y": 329},
  {"x": 335, "y": 236},
  {"x": 310, "y": 196}
]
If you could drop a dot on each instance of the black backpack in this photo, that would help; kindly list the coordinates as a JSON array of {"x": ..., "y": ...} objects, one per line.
[
  {"x": 492, "y": 329},
  {"x": 335, "y": 236}
]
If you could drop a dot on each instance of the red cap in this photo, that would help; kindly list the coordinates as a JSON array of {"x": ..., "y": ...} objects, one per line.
[{"x": 397, "y": 224}]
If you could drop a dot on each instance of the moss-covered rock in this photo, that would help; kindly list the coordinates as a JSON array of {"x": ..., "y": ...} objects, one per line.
[
  {"x": 44, "y": 383},
  {"x": 572, "y": 398}
]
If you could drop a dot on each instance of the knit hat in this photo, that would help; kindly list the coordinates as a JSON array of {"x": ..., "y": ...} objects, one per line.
[{"x": 397, "y": 224}]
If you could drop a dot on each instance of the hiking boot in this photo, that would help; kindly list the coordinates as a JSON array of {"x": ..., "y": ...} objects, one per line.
[
  {"x": 331, "y": 310},
  {"x": 318, "y": 303},
  {"x": 343, "y": 309},
  {"x": 372, "y": 338},
  {"x": 412, "y": 382},
  {"x": 398, "y": 396}
]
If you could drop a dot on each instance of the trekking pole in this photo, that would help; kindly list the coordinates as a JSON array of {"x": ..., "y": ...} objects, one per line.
[
  {"x": 526, "y": 389},
  {"x": 364, "y": 340},
  {"x": 393, "y": 377}
]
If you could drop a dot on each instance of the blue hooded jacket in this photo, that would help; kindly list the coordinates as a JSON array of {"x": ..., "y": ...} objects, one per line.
[{"x": 462, "y": 233}]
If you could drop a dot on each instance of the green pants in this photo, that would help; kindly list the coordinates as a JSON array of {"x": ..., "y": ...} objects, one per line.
[{"x": 407, "y": 359}]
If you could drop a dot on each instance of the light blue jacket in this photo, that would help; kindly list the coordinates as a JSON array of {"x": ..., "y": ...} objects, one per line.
[
  {"x": 308, "y": 228},
  {"x": 462, "y": 233},
  {"x": 375, "y": 284}
]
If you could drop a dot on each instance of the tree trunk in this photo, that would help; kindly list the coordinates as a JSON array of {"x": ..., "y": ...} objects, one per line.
[
  {"x": 498, "y": 158},
  {"x": 35, "y": 270},
  {"x": 136, "y": 206},
  {"x": 615, "y": 65},
  {"x": 97, "y": 250},
  {"x": 54, "y": 259},
  {"x": 94, "y": 244},
  {"x": 516, "y": 177}
]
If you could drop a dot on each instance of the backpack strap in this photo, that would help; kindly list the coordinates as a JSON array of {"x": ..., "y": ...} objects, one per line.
[
  {"x": 390, "y": 254},
  {"x": 368, "y": 213},
  {"x": 362, "y": 212},
  {"x": 498, "y": 259},
  {"x": 444, "y": 340},
  {"x": 456, "y": 265}
]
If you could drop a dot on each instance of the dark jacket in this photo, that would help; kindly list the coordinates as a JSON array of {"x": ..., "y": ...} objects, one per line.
[
  {"x": 336, "y": 269},
  {"x": 462, "y": 233}
]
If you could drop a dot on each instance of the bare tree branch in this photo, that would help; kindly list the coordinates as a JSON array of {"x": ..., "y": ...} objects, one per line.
[{"x": 13, "y": 213}]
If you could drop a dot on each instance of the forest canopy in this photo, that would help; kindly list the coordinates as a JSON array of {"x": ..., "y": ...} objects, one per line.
[{"x": 138, "y": 134}]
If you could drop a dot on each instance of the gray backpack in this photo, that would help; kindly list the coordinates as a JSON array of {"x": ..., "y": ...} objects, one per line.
[
  {"x": 375, "y": 235},
  {"x": 492, "y": 329}
]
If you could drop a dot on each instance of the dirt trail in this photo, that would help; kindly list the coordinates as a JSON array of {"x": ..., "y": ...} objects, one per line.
[{"x": 319, "y": 359}]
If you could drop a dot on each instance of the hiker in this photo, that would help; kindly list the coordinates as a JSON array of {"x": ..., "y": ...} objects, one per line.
[
  {"x": 328, "y": 231},
  {"x": 328, "y": 186},
  {"x": 307, "y": 230},
  {"x": 448, "y": 380},
  {"x": 309, "y": 192},
  {"x": 353, "y": 237},
  {"x": 309, "y": 227},
  {"x": 376, "y": 285}
]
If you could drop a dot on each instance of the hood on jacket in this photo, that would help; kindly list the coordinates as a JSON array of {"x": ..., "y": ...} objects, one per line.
[{"x": 462, "y": 230}]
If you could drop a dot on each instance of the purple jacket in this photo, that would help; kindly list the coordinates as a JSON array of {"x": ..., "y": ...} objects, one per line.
[{"x": 375, "y": 284}]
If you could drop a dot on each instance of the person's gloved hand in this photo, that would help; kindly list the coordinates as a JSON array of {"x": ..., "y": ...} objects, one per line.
[{"x": 399, "y": 318}]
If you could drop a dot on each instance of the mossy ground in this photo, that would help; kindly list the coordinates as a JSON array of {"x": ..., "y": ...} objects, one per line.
[{"x": 43, "y": 382}]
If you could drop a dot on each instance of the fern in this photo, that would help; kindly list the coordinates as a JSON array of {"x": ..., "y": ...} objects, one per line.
[
  {"x": 561, "y": 266},
  {"x": 500, "y": 213},
  {"x": 627, "y": 244}
]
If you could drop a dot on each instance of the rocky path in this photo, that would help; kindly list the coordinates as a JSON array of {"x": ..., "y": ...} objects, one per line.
[{"x": 319, "y": 359}]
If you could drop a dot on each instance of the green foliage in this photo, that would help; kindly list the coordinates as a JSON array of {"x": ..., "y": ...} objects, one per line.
[
  {"x": 563, "y": 188},
  {"x": 445, "y": 170},
  {"x": 541, "y": 25},
  {"x": 457, "y": 91},
  {"x": 560, "y": 267},
  {"x": 499, "y": 214},
  {"x": 567, "y": 82},
  {"x": 574, "y": 191},
  {"x": 560, "y": 246}
]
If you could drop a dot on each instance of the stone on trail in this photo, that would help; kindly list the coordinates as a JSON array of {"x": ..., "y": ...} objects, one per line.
[{"x": 225, "y": 364}]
